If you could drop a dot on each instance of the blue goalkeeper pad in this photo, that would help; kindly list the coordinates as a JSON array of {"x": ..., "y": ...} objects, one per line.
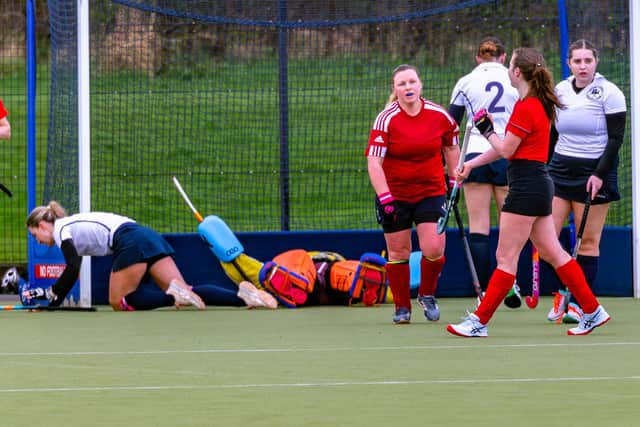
[{"x": 221, "y": 240}]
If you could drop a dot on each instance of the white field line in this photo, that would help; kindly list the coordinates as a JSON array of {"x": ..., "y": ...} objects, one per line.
[
  {"x": 572, "y": 342},
  {"x": 316, "y": 384}
]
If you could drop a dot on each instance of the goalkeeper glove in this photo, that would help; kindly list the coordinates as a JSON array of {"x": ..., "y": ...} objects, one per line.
[
  {"x": 483, "y": 123},
  {"x": 387, "y": 211}
]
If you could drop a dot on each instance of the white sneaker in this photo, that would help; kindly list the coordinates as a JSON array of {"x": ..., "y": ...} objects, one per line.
[
  {"x": 183, "y": 295},
  {"x": 590, "y": 321},
  {"x": 470, "y": 327},
  {"x": 559, "y": 306},
  {"x": 255, "y": 297},
  {"x": 573, "y": 315}
]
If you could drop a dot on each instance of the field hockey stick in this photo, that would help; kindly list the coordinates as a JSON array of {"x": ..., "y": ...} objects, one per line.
[
  {"x": 443, "y": 220},
  {"x": 186, "y": 199},
  {"x": 5, "y": 190},
  {"x": 532, "y": 301},
  {"x": 576, "y": 247},
  {"x": 44, "y": 308},
  {"x": 200, "y": 219},
  {"x": 467, "y": 252}
]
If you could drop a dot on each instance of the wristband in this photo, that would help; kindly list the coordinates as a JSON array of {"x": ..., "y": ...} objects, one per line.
[{"x": 385, "y": 198}]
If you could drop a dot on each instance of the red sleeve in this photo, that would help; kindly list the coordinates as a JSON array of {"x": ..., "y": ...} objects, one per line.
[
  {"x": 530, "y": 123},
  {"x": 3, "y": 111}
]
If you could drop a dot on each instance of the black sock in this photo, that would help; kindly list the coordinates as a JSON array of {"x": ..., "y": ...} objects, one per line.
[
  {"x": 218, "y": 295},
  {"x": 148, "y": 299},
  {"x": 481, "y": 253},
  {"x": 589, "y": 265}
]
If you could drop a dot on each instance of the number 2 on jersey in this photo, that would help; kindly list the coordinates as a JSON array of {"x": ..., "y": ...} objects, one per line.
[{"x": 493, "y": 106}]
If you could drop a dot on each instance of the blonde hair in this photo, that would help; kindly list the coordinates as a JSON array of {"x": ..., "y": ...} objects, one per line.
[
  {"x": 48, "y": 213},
  {"x": 399, "y": 68}
]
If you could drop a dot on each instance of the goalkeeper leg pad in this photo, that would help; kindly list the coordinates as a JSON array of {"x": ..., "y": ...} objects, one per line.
[{"x": 221, "y": 240}]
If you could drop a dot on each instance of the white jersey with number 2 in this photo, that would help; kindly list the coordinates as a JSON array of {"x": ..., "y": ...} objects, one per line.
[{"x": 487, "y": 86}]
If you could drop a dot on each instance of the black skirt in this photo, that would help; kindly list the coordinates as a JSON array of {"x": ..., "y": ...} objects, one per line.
[{"x": 530, "y": 189}]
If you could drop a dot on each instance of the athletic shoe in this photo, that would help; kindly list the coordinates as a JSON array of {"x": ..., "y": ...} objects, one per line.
[
  {"x": 559, "y": 304},
  {"x": 402, "y": 316},
  {"x": 255, "y": 297},
  {"x": 573, "y": 315},
  {"x": 430, "y": 307},
  {"x": 590, "y": 321},
  {"x": 513, "y": 298},
  {"x": 183, "y": 295},
  {"x": 470, "y": 327}
]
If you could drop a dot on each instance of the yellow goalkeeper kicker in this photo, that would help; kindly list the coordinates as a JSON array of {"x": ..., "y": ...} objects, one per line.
[{"x": 242, "y": 268}]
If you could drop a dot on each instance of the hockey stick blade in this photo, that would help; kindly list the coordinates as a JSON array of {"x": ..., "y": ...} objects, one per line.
[{"x": 532, "y": 301}]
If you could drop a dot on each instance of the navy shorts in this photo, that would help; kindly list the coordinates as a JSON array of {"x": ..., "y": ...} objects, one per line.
[
  {"x": 570, "y": 175},
  {"x": 134, "y": 243},
  {"x": 429, "y": 209},
  {"x": 530, "y": 189},
  {"x": 494, "y": 173}
]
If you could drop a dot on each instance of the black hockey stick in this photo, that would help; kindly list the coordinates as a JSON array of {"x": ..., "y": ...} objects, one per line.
[
  {"x": 576, "y": 247},
  {"x": 467, "y": 252},
  {"x": 5, "y": 190}
]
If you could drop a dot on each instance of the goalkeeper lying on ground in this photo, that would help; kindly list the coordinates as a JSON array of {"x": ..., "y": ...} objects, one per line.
[{"x": 298, "y": 277}]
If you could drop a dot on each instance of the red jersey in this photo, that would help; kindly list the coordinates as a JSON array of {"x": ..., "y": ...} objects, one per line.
[
  {"x": 3, "y": 112},
  {"x": 412, "y": 149},
  {"x": 530, "y": 123}
]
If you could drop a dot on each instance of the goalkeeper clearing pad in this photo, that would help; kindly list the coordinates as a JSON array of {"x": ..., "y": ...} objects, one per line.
[
  {"x": 290, "y": 277},
  {"x": 221, "y": 240},
  {"x": 365, "y": 279}
]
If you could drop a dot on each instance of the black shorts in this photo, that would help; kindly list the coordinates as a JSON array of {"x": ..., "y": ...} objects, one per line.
[
  {"x": 429, "y": 209},
  {"x": 494, "y": 173},
  {"x": 530, "y": 189},
  {"x": 134, "y": 243},
  {"x": 570, "y": 175}
]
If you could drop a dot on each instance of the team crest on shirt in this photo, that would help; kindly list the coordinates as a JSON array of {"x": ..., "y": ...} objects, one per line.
[{"x": 595, "y": 93}]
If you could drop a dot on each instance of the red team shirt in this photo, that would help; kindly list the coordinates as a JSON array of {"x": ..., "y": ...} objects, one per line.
[
  {"x": 3, "y": 112},
  {"x": 530, "y": 123},
  {"x": 411, "y": 148}
]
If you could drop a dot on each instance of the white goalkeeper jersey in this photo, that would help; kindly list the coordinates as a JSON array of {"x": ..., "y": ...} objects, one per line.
[
  {"x": 581, "y": 125},
  {"x": 488, "y": 86},
  {"x": 92, "y": 232}
]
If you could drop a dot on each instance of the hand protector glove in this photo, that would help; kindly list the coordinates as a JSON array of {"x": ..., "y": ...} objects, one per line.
[
  {"x": 387, "y": 211},
  {"x": 483, "y": 123}
]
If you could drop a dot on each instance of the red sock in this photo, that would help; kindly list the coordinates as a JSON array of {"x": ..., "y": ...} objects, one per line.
[
  {"x": 498, "y": 288},
  {"x": 429, "y": 273},
  {"x": 571, "y": 275},
  {"x": 399, "y": 277}
]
